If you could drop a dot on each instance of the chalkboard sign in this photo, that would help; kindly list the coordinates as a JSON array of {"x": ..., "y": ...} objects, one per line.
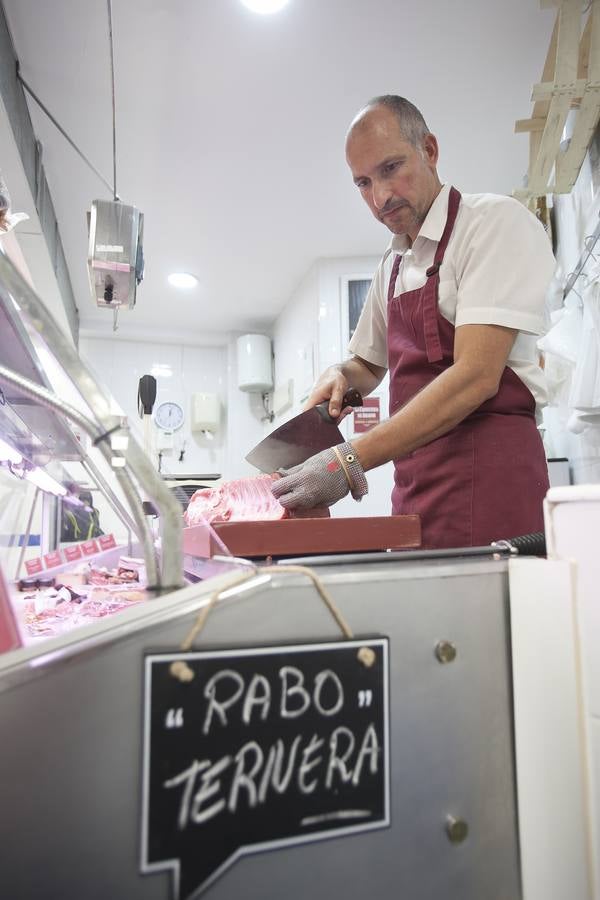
[{"x": 263, "y": 748}]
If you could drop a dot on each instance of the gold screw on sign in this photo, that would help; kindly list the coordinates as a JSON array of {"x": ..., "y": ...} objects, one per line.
[
  {"x": 445, "y": 651},
  {"x": 366, "y": 656},
  {"x": 180, "y": 669},
  {"x": 456, "y": 829}
]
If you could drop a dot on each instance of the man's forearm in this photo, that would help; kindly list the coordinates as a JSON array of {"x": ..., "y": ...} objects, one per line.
[
  {"x": 335, "y": 381},
  {"x": 361, "y": 375},
  {"x": 480, "y": 355},
  {"x": 445, "y": 402}
]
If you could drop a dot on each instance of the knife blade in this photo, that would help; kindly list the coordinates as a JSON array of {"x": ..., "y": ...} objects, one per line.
[{"x": 303, "y": 436}]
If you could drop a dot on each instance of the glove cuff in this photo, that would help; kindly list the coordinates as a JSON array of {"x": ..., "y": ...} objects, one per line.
[{"x": 353, "y": 470}]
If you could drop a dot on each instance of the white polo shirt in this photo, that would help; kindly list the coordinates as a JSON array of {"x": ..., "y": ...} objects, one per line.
[{"x": 496, "y": 270}]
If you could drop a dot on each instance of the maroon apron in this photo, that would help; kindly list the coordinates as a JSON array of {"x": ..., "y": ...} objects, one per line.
[{"x": 486, "y": 478}]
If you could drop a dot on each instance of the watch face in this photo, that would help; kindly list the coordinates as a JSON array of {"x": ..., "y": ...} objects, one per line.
[{"x": 169, "y": 416}]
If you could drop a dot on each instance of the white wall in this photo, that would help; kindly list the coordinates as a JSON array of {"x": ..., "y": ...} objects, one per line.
[
  {"x": 296, "y": 342},
  {"x": 119, "y": 364},
  {"x": 307, "y": 338},
  {"x": 245, "y": 425}
]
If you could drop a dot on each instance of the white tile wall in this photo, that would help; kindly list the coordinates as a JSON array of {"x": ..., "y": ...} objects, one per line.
[
  {"x": 119, "y": 364},
  {"x": 308, "y": 338}
]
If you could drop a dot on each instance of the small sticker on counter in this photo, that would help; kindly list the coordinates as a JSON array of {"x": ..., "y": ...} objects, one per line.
[
  {"x": 259, "y": 749},
  {"x": 368, "y": 415},
  {"x": 107, "y": 541}
]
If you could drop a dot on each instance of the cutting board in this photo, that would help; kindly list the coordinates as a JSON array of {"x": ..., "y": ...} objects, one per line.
[{"x": 287, "y": 537}]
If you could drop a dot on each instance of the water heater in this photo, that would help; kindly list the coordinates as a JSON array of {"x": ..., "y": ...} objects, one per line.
[{"x": 254, "y": 363}]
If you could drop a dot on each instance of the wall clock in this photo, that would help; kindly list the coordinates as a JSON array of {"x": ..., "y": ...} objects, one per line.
[{"x": 169, "y": 416}]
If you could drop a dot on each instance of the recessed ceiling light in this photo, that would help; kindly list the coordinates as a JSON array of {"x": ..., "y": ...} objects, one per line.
[
  {"x": 161, "y": 370},
  {"x": 182, "y": 280},
  {"x": 265, "y": 7}
]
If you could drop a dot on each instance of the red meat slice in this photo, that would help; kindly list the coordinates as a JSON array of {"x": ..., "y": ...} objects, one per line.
[{"x": 245, "y": 499}]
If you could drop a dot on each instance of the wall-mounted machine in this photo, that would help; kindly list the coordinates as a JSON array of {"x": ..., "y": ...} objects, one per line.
[{"x": 115, "y": 255}]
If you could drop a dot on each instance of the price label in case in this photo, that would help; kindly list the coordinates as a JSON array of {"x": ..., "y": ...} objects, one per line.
[
  {"x": 34, "y": 566},
  {"x": 261, "y": 748},
  {"x": 72, "y": 553},
  {"x": 107, "y": 541},
  {"x": 89, "y": 547},
  {"x": 52, "y": 559}
]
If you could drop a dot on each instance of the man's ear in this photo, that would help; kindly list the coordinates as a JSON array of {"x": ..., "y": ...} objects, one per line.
[{"x": 430, "y": 149}]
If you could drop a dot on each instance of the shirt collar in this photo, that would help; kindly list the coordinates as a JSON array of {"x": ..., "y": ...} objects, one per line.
[{"x": 433, "y": 226}]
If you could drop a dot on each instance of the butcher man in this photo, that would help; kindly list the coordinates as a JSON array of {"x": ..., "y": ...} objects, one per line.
[{"x": 452, "y": 314}]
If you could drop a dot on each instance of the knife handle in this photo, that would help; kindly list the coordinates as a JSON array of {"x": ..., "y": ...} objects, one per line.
[{"x": 350, "y": 398}]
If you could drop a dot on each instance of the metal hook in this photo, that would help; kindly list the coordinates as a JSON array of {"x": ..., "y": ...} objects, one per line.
[
  {"x": 570, "y": 284},
  {"x": 589, "y": 243}
]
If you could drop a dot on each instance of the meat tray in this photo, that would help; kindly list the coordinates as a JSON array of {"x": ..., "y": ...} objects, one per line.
[{"x": 287, "y": 537}]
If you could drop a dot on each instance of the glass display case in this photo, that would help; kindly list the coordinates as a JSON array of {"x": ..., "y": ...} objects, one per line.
[
  {"x": 60, "y": 429},
  {"x": 98, "y": 755}
]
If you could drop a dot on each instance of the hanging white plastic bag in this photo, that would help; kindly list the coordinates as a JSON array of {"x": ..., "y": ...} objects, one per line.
[
  {"x": 564, "y": 337},
  {"x": 585, "y": 389}
]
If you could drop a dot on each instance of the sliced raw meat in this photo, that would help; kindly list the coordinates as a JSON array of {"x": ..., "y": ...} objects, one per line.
[{"x": 245, "y": 499}]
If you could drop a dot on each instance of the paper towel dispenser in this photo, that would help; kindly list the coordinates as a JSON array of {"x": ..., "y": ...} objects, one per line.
[{"x": 206, "y": 414}]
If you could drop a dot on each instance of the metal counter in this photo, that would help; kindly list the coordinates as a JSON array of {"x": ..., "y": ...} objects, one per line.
[{"x": 71, "y": 745}]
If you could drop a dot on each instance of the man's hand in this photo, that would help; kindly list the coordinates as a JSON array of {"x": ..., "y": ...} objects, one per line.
[
  {"x": 332, "y": 385},
  {"x": 322, "y": 480},
  {"x": 336, "y": 380}
]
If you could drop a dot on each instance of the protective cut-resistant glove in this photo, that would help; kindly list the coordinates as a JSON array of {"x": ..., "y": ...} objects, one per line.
[{"x": 322, "y": 480}]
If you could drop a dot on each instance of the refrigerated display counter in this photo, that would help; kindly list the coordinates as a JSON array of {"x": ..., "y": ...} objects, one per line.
[
  {"x": 325, "y": 727},
  {"x": 103, "y": 803}
]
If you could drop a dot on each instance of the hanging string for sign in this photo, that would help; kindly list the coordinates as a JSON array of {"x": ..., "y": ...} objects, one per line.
[{"x": 180, "y": 669}]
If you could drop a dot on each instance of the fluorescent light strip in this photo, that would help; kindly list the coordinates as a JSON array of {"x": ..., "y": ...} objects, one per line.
[
  {"x": 9, "y": 454},
  {"x": 45, "y": 482}
]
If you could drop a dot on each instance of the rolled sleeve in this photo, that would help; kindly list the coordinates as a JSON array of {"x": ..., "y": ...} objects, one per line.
[
  {"x": 503, "y": 276},
  {"x": 369, "y": 340}
]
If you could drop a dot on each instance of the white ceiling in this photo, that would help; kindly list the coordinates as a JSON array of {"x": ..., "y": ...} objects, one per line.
[{"x": 230, "y": 130}]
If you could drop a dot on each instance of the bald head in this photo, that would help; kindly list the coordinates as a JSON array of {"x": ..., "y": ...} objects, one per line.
[
  {"x": 393, "y": 158},
  {"x": 410, "y": 120}
]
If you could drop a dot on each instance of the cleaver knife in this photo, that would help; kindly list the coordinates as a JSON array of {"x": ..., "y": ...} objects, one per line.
[{"x": 301, "y": 437}]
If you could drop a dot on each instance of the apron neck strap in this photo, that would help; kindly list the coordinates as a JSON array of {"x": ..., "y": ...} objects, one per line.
[{"x": 453, "y": 204}]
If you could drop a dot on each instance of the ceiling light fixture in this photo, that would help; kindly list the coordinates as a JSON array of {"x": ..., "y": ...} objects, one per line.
[
  {"x": 182, "y": 280},
  {"x": 265, "y": 7}
]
